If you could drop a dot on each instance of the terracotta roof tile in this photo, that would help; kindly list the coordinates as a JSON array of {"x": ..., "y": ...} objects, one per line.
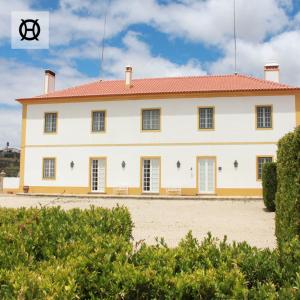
[{"x": 170, "y": 85}]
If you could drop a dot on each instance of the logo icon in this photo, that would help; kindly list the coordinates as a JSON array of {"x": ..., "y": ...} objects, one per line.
[
  {"x": 35, "y": 29},
  {"x": 29, "y": 29}
]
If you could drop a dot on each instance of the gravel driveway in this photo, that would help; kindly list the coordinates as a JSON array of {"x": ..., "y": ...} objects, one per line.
[{"x": 172, "y": 219}]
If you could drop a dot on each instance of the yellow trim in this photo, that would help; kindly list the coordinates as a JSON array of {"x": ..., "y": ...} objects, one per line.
[
  {"x": 261, "y": 156},
  {"x": 23, "y": 142},
  {"x": 141, "y": 174},
  {"x": 160, "y": 124},
  {"x": 58, "y": 190},
  {"x": 272, "y": 121},
  {"x": 90, "y": 174},
  {"x": 105, "y": 121},
  {"x": 239, "y": 192},
  {"x": 11, "y": 191},
  {"x": 157, "y": 96},
  {"x": 131, "y": 191},
  {"x": 197, "y": 172},
  {"x": 297, "y": 106},
  {"x": 214, "y": 119},
  {"x": 56, "y": 127},
  {"x": 152, "y": 144},
  {"x": 135, "y": 191},
  {"x": 55, "y": 161}
]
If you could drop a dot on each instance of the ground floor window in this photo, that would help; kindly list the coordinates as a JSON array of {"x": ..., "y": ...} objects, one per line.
[
  {"x": 261, "y": 160},
  {"x": 49, "y": 169}
]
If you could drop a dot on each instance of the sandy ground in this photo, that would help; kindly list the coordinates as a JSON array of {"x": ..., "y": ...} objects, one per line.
[{"x": 172, "y": 219}]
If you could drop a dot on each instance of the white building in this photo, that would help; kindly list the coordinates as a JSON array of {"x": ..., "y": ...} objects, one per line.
[{"x": 185, "y": 135}]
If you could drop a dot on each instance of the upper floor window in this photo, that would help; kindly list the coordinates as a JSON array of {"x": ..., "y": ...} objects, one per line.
[
  {"x": 264, "y": 117},
  {"x": 151, "y": 119},
  {"x": 98, "y": 121},
  {"x": 50, "y": 122},
  {"x": 49, "y": 168},
  {"x": 206, "y": 118},
  {"x": 261, "y": 160}
]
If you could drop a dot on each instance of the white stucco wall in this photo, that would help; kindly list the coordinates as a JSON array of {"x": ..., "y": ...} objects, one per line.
[
  {"x": 234, "y": 123},
  {"x": 11, "y": 182},
  {"x": 229, "y": 177}
]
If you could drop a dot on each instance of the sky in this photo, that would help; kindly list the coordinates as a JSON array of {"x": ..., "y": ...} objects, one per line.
[{"x": 158, "y": 38}]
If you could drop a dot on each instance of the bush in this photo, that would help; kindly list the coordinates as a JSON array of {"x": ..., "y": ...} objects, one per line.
[
  {"x": 288, "y": 188},
  {"x": 88, "y": 254},
  {"x": 269, "y": 183}
]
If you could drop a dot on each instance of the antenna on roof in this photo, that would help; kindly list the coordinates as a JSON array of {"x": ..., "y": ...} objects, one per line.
[
  {"x": 103, "y": 37},
  {"x": 234, "y": 36}
]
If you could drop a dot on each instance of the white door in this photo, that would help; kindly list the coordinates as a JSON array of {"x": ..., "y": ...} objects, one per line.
[
  {"x": 151, "y": 174},
  {"x": 98, "y": 171},
  {"x": 206, "y": 175}
]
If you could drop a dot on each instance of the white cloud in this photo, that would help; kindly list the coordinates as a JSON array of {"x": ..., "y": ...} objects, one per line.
[
  {"x": 137, "y": 54},
  {"x": 283, "y": 49}
]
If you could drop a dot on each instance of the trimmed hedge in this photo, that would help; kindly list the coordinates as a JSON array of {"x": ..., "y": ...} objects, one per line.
[
  {"x": 269, "y": 184},
  {"x": 55, "y": 254},
  {"x": 29, "y": 236},
  {"x": 288, "y": 189}
]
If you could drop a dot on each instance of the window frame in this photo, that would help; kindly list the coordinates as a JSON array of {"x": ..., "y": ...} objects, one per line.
[
  {"x": 160, "y": 124},
  {"x": 50, "y": 132},
  {"x": 105, "y": 121},
  {"x": 43, "y": 168},
  {"x": 213, "y": 118},
  {"x": 257, "y": 165},
  {"x": 256, "y": 117}
]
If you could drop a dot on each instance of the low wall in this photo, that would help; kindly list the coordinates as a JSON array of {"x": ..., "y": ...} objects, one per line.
[{"x": 11, "y": 184}]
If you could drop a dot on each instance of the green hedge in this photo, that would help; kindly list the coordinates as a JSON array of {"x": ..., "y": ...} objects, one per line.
[
  {"x": 288, "y": 189},
  {"x": 269, "y": 184},
  {"x": 28, "y": 236},
  {"x": 88, "y": 254}
]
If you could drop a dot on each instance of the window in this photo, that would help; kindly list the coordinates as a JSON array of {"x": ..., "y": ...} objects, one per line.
[
  {"x": 263, "y": 117},
  {"x": 206, "y": 118},
  {"x": 261, "y": 160},
  {"x": 98, "y": 121},
  {"x": 50, "y": 122},
  {"x": 151, "y": 119},
  {"x": 49, "y": 168}
]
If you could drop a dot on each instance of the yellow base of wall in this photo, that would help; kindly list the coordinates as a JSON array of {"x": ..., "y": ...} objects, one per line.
[
  {"x": 137, "y": 191},
  {"x": 10, "y": 191}
]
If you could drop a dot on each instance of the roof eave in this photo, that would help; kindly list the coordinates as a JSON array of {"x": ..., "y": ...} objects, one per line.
[{"x": 287, "y": 91}]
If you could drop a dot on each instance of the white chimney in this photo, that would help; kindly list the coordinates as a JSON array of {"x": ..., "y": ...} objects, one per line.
[
  {"x": 272, "y": 72},
  {"x": 49, "y": 82},
  {"x": 128, "y": 77}
]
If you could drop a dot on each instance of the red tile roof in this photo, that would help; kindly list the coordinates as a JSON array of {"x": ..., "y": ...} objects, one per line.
[{"x": 170, "y": 85}]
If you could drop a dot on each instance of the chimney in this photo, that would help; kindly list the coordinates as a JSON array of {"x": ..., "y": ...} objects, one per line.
[
  {"x": 128, "y": 77},
  {"x": 272, "y": 72},
  {"x": 49, "y": 81}
]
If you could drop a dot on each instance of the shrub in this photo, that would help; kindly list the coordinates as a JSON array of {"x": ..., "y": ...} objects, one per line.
[
  {"x": 288, "y": 188},
  {"x": 269, "y": 183},
  {"x": 56, "y": 254}
]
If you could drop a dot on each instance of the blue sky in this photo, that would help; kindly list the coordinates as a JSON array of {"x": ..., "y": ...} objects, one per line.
[{"x": 157, "y": 37}]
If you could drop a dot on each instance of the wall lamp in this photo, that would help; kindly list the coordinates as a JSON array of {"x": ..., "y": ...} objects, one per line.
[
  {"x": 123, "y": 164},
  {"x": 72, "y": 164},
  {"x": 236, "y": 164},
  {"x": 178, "y": 164}
]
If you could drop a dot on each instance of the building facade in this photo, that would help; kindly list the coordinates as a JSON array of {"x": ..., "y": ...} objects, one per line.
[{"x": 153, "y": 139}]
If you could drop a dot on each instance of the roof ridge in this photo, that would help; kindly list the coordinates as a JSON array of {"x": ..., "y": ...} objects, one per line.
[{"x": 268, "y": 81}]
